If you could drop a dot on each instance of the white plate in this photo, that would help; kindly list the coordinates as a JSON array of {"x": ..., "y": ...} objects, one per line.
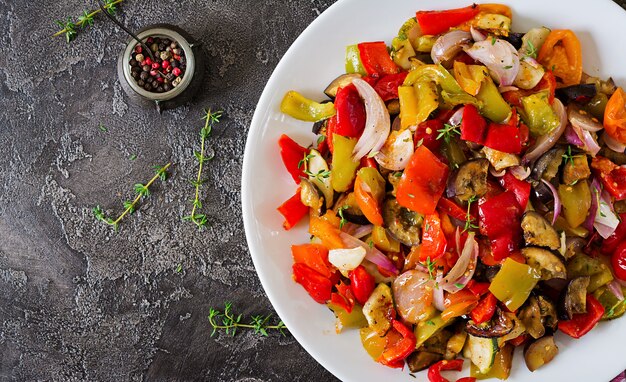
[{"x": 316, "y": 58}]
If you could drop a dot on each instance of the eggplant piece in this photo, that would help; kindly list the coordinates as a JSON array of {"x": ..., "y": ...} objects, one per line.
[
  {"x": 500, "y": 325},
  {"x": 319, "y": 127},
  {"x": 455, "y": 344},
  {"x": 574, "y": 298},
  {"x": 421, "y": 360},
  {"x": 491, "y": 272},
  {"x": 547, "y": 264},
  {"x": 351, "y": 211},
  {"x": 341, "y": 81},
  {"x": 547, "y": 166},
  {"x": 540, "y": 352},
  {"x": 573, "y": 246},
  {"x": 530, "y": 315},
  {"x": 403, "y": 224},
  {"x": 515, "y": 39},
  {"x": 547, "y": 310},
  {"x": 583, "y": 265},
  {"x": 437, "y": 343},
  {"x": 469, "y": 180},
  {"x": 576, "y": 169},
  {"x": 499, "y": 160},
  {"x": 576, "y": 93},
  {"x": 538, "y": 231},
  {"x": 310, "y": 196}
]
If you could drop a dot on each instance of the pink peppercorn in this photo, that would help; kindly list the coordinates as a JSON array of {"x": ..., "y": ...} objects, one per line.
[
  {"x": 155, "y": 65},
  {"x": 165, "y": 64},
  {"x": 153, "y": 73},
  {"x": 176, "y": 71},
  {"x": 148, "y": 61},
  {"x": 138, "y": 49}
]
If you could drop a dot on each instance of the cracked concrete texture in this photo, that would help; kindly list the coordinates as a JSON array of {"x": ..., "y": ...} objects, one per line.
[{"x": 81, "y": 302}]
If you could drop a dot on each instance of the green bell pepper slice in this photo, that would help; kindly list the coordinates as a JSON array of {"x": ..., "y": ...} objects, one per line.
[
  {"x": 355, "y": 319},
  {"x": 343, "y": 166},
  {"x": 576, "y": 201},
  {"x": 353, "y": 60},
  {"x": 492, "y": 105},
  {"x": 538, "y": 114},
  {"x": 437, "y": 74},
  {"x": 513, "y": 283},
  {"x": 374, "y": 181},
  {"x": 299, "y": 107}
]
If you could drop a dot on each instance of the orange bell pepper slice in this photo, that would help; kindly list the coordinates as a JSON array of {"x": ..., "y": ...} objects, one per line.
[
  {"x": 314, "y": 256},
  {"x": 325, "y": 231},
  {"x": 561, "y": 53},
  {"x": 367, "y": 203},
  {"x": 615, "y": 116}
]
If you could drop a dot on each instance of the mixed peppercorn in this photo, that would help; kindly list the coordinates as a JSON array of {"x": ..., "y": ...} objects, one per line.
[{"x": 164, "y": 71}]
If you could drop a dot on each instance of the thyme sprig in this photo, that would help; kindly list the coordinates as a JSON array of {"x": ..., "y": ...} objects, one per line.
[
  {"x": 229, "y": 322},
  {"x": 141, "y": 190},
  {"x": 70, "y": 28},
  {"x": 568, "y": 157},
  {"x": 210, "y": 118},
  {"x": 448, "y": 132},
  {"x": 469, "y": 220}
]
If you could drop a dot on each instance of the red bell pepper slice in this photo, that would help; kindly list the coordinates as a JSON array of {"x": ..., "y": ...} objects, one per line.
[
  {"x": 423, "y": 182},
  {"x": 499, "y": 220},
  {"x": 397, "y": 353},
  {"x": 451, "y": 208},
  {"x": 581, "y": 324},
  {"x": 331, "y": 127},
  {"x": 618, "y": 261},
  {"x": 387, "y": 86},
  {"x": 436, "y": 22},
  {"x": 519, "y": 340},
  {"x": 433, "y": 238},
  {"x": 318, "y": 286},
  {"x": 293, "y": 210},
  {"x": 376, "y": 59},
  {"x": 427, "y": 132},
  {"x": 612, "y": 176},
  {"x": 520, "y": 188},
  {"x": 368, "y": 162},
  {"x": 343, "y": 297},
  {"x": 292, "y": 154},
  {"x": 610, "y": 244},
  {"x": 434, "y": 372},
  {"x": 485, "y": 309},
  {"x": 473, "y": 125},
  {"x": 505, "y": 137},
  {"x": 361, "y": 283},
  {"x": 466, "y": 379},
  {"x": 350, "y": 112},
  {"x": 314, "y": 256},
  {"x": 477, "y": 288}
]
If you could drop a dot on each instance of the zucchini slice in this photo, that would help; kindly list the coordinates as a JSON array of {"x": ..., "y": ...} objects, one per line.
[{"x": 482, "y": 352}]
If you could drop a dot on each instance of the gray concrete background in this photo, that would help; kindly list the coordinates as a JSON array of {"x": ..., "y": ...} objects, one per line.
[{"x": 81, "y": 302}]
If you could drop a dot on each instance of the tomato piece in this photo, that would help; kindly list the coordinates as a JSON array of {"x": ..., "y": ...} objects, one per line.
[
  {"x": 485, "y": 309},
  {"x": 362, "y": 284},
  {"x": 315, "y": 256},
  {"x": 581, "y": 324},
  {"x": 397, "y": 353},
  {"x": 612, "y": 176},
  {"x": 615, "y": 116},
  {"x": 473, "y": 125},
  {"x": 433, "y": 239},
  {"x": 436, "y": 22},
  {"x": 387, "y": 86},
  {"x": 427, "y": 132},
  {"x": 292, "y": 154},
  {"x": 376, "y": 59},
  {"x": 350, "y": 112},
  {"x": 618, "y": 261},
  {"x": 293, "y": 210},
  {"x": 423, "y": 182},
  {"x": 562, "y": 54},
  {"x": 368, "y": 203},
  {"x": 434, "y": 372},
  {"x": 318, "y": 286}
]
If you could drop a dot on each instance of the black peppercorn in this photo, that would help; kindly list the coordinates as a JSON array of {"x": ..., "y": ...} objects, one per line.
[
  {"x": 133, "y": 62},
  {"x": 161, "y": 46},
  {"x": 146, "y": 68},
  {"x": 148, "y": 87},
  {"x": 141, "y": 83},
  {"x": 160, "y": 89},
  {"x": 166, "y": 87},
  {"x": 144, "y": 75},
  {"x": 174, "y": 64}
]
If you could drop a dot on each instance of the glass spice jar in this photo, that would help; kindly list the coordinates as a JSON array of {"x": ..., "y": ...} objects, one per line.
[{"x": 189, "y": 82}]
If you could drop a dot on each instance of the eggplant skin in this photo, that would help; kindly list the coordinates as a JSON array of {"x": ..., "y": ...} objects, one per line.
[
  {"x": 576, "y": 93},
  {"x": 403, "y": 224},
  {"x": 342, "y": 80},
  {"x": 421, "y": 360},
  {"x": 469, "y": 180},
  {"x": 500, "y": 325},
  {"x": 573, "y": 299},
  {"x": 539, "y": 232}
]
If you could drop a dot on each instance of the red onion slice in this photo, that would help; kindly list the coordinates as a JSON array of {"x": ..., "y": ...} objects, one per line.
[
  {"x": 504, "y": 89},
  {"x": 463, "y": 271},
  {"x": 557, "y": 200},
  {"x": 594, "y": 186},
  {"x": 438, "y": 298},
  {"x": 616, "y": 289},
  {"x": 356, "y": 230},
  {"x": 581, "y": 119},
  {"x": 377, "y": 122},
  {"x": 589, "y": 142},
  {"x": 477, "y": 35},
  {"x": 606, "y": 220},
  {"x": 546, "y": 142},
  {"x": 371, "y": 253},
  {"x": 520, "y": 172},
  {"x": 448, "y": 45},
  {"x": 457, "y": 117},
  {"x": 499, "y": 56},
  {"x": 612, "y": 143},
  {"x": 497, "y": 174},
  {"x": 397, "y": 151},
  {"x": 572, "y": 138}
]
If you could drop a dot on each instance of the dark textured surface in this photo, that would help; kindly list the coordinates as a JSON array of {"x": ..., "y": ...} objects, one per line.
[{"x": 80, "y": 302}]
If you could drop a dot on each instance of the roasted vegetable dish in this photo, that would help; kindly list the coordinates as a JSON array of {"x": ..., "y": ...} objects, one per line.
[{"x": 465, "y": 194}]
